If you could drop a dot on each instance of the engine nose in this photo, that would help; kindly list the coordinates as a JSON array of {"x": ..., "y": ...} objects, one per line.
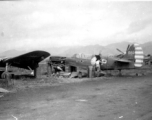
[{"x": 96, "y": 60}]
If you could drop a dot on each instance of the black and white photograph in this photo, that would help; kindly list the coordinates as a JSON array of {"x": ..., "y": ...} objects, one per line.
[{"x": 75, "y": 60}]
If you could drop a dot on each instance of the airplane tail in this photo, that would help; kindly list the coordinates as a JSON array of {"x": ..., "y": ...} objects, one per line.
[{"x": 135, "y": 53}]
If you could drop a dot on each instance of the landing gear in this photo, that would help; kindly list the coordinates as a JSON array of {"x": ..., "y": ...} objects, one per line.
[
  {"x": 8, "y": 78},
  {"x": 35, "y": 72},
  {"x": 4, "y": 75},
  {"x": 108, "y": 73}
]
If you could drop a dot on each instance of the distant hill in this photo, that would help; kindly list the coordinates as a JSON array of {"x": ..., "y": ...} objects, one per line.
[
  {"x": 88, "y": 50},
  {"x": 96, "y": 49},
  {"x": 147, "y": 48},
  {"x": 110, "y": 49},
  {"x": 91, "y": 49},
  {"x": 11, "y": 53}
]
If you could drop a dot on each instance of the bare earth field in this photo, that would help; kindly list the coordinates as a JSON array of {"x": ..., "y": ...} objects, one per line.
[{"x": 105, "y": 98}]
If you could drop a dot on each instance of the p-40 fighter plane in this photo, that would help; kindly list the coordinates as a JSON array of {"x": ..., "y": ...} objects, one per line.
[
  {"x": 28, "y": 61},
  {"x": 131, "y": 59}
]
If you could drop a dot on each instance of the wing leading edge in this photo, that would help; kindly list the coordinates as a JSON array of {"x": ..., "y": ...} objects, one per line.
[{"x": 27, "y": 60}]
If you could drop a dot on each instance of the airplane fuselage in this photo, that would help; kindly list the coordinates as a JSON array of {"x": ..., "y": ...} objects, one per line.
[{"x": 109, "y": 63}]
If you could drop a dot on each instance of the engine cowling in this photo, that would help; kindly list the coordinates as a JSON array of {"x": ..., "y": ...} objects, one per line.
[{"x": 96, "y": 60}]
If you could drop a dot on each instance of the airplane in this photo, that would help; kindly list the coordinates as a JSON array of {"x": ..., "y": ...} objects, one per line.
[
  {"x": 27, "y": 61},
  {"x": 131, "y": 59}
]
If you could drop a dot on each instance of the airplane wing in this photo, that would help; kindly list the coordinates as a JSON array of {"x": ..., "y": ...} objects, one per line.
[
  {"x": 122, "y": 60},
  {"x": 27, "y": 60}
]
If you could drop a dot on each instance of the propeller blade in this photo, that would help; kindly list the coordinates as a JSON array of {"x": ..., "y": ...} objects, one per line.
[
  {"x": 128, "y": 47},
  {"x": 120, "y": 51}
]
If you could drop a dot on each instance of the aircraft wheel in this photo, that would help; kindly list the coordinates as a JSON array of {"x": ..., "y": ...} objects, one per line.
[
  {"x": 80, "y": 75},
  {"x": 3, "y": 75},
  {"x": 7, "y": 76}
]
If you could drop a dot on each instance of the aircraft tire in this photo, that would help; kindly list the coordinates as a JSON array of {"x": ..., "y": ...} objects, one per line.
[{"x": 3, "y": 75}]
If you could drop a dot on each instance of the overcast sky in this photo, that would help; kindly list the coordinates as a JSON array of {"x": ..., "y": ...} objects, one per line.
[{"x": 46, "y": 23}]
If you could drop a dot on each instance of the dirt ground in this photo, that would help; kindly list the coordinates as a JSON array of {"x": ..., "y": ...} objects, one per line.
[{"x": 105, "y": 98}]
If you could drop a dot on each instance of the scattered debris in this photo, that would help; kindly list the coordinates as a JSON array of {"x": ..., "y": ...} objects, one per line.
[
  {"x": 81, "y": 100},
  {"x": 74, "y": 74},
  {"x": 121, "y": 117},
  {"x": 15, "y": 117},
  {"x": 2, "y": 90}
]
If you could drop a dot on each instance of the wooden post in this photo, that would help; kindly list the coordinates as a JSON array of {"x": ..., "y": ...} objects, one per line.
[
  {"x": 90, "y": 71},
  {"x": 49, "y": 70},
  {"x": 6, "y": 67}
]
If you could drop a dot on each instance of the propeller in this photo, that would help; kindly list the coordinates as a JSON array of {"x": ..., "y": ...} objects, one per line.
[{"x": 120, "y": 51}]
